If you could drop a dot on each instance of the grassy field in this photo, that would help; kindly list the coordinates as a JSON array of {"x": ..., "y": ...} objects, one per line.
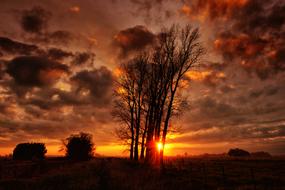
[{"x": 118, "y": 173}]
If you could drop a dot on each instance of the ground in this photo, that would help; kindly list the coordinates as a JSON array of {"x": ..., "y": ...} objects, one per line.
[{"x": 118, "y": 173}]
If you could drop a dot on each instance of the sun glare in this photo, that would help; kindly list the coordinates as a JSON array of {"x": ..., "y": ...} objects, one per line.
[{"x": 159, "y": 146}]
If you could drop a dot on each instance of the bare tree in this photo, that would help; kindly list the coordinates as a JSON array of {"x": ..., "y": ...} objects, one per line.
[
  {"x": 184, "y": 50},
  {"x": 150, "y": 84},
  {"x": 130, "y": 101},
  {"x": 124, "y": 108}
]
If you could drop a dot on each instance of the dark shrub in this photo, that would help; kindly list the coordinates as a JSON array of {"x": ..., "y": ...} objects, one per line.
[
  {"x": 261, "y": 154},
  {"x": 238, "y": 153},
  {"x": 29, "y": 151},
  {"x": 79, "y": 147}
]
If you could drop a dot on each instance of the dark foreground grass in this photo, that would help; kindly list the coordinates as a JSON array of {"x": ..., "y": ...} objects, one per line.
[{"x": 117, "y": 174}]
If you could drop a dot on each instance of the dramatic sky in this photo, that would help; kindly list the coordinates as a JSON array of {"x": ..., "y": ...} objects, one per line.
[{"x": 58, "y": 63}]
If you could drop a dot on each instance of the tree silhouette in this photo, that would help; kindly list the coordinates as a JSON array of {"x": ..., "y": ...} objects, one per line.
[
  {"x": 238, "y": 153},
  {"x": 129, "y": 105},
  {"x": 146, "y": 96},
  {"x": 79, "y": 147},
  {"x": 29, "y": 151}
]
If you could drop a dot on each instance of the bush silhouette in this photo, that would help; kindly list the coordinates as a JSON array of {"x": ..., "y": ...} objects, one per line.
[
  {"x": 238, "y": 153},
  {"x": 79, "y": 147},
  {"x": 29, "y": 151}
]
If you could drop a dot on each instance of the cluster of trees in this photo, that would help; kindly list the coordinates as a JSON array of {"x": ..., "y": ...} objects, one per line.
[
  {"x": 147, "y": 92},
  {"x": 76, "y": 147}
]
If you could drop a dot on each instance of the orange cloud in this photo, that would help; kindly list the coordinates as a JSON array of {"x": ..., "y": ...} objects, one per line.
[
  {"x": 50, "y": 76},
  {"x": 241, "y": 45},
  {"x": 133, "y": 39},
  {"x": 207, "y": 77},
  {"x": 186, "y": 10},
  {"x": 203, "y": 9},
  {"x": 74, "y": 9},
  {"x": 198, "y": 75}
]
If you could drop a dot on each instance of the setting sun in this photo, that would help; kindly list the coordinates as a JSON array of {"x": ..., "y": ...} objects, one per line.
[{"x": 159, "y": 146}]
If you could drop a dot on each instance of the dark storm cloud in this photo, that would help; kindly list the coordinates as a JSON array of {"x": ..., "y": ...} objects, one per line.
[
  {"x": 49, "y": 99},
  {"x": 81, "y": 58},
  {"x": 89, "y": 88},
  {"x": 16, "y": 48},
  {"x": 99, "y": 82},
  {"x": 212, "y": 108},
  {"x": 35, "y": 71},
  {"x": 59, "y": 37},
  {"x": 133, "y": 39},
  {"x": 247, "y": 31},
  {"x": 58, "y": 54},
  {"x": 35, "y": 20},
  {"x": 41, "y": 102},
  {"x": 256, "y": 16},
  {"x": 10, "y": 46}
]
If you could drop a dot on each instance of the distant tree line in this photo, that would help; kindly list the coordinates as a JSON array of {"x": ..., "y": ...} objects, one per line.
[
  {"x": 237, "y": 152},
  {"x": 147, "y": 92}
]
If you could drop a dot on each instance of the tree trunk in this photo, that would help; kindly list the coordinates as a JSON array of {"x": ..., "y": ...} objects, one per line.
[
  {"x": 132, "y": 138},
  {"x": 150, "y": 144},
  {"x": 166, "y": 123},
  {"x": 143, "y": 137},
  {"x": 132, "y": 147},
  {"x": 142, "y": 147},
  {"x": 136, "y": 152}
]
